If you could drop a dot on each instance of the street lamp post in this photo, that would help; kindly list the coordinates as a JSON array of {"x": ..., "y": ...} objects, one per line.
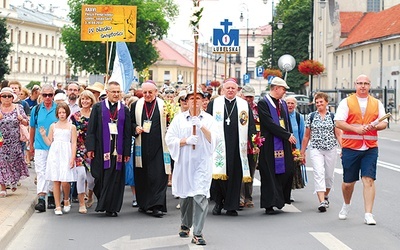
[
  {"x": 279, "y": 25},
  {"x": 247, "y": 36}
]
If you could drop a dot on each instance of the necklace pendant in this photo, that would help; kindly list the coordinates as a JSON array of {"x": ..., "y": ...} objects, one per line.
[{"x": 228, "y": 121}]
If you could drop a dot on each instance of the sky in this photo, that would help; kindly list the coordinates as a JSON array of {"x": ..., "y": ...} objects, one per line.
[{"x": 214, "y": 12}]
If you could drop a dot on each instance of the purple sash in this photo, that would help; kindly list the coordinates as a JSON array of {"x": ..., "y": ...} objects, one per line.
[
  {"x": 279, "y": 152},
  {"x": 107, "y": 137}
]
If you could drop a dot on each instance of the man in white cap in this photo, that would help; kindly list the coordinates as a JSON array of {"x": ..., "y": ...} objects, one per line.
[
  {"x": 235, "y": 125},
  {"x": 152, "y": 160},
  {"x": 276, "y": 159}
]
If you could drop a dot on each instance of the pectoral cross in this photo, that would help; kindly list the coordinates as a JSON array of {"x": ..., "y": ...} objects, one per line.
[{"x": 228, "y": 121}]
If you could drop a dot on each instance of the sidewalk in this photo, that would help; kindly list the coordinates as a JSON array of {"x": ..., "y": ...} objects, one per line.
[{"x": 16, "y": 209}]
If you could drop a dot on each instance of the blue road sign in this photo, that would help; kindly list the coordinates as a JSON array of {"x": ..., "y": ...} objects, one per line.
[
  {"x": 246, "y": 79},
  {"x": 259, "y": 71}
]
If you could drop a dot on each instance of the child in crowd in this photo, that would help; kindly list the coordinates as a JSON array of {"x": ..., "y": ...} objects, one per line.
[{"x": 60, "y": 166}]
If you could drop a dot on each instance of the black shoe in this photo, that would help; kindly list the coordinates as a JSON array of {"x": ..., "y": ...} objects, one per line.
[
  {"x": 141, "y": 210},
  {"x": 111, "y": 214},
  {"x": 157, "y": 213},
  {"x": 232, "y": 213},
  {"x": 270, "y": 210},
  {"x": 198, "y": 240},
  {"x": 184, "y": 232},
  {"x": 41, "y": 205},
  {"x": 50, "y": 202},
  {"x": 217, "y": 209}
]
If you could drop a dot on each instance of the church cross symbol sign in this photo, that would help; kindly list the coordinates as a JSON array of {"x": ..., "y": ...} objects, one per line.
[{"x": 226, "y": 40}]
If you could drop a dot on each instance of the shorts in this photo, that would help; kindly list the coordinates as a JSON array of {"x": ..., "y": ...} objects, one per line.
[{"x": 354, "y": 161}]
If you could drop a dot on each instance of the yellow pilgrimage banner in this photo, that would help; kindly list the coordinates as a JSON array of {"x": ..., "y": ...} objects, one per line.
[{"x": 114, "y": 23}]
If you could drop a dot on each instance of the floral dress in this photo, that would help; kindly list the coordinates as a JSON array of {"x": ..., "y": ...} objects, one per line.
[
  {"x": 81, "y": 124},
  {"x": 12, "y": 163}
]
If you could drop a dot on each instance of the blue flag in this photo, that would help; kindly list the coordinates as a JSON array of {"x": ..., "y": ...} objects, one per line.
[{"x": 123, "y": 67}]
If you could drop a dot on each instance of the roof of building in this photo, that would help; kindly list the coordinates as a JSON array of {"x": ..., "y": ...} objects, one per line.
[
  {"x": 33, "y": 15},
  {"x": 375, "y": 25},
  {"x": 168, "y": 53},
  {"x": 348, "y": 20}
]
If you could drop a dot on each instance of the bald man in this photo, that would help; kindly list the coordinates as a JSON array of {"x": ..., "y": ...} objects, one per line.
[{"x": 152, "y": 160}]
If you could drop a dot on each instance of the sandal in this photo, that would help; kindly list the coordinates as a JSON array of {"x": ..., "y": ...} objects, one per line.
[
  {"x": 82, "y": 209},
  {"x": 184, "y": 232},
  {"x": 3, "y": 194},
  {"x": 14, "y": 187},
  {"x": 58, "y": 211},
  {"x": 89, "y": 203},
  {"x": 198, "y": 240}
]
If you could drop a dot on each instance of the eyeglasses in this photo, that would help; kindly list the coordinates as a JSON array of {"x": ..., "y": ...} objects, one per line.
[
  {"x": 363, "y": 83},
  {"x": 169, "y": 92},
  {"x": 147, "y": 92},
  {"x": 7, "y": 96},
  {"x": 48, "y": 95}
]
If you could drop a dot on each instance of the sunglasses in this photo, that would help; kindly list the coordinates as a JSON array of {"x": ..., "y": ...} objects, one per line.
[
  {"x": 47, "y": 95},
  {"x": 169, "y": 92},
  {"x": 7, "y": 96}
]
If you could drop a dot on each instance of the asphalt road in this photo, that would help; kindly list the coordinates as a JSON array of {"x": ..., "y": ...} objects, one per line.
[{"x": 299, "y": 226}]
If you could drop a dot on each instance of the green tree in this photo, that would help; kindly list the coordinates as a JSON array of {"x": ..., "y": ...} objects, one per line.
[
  {"x": 292, "y": 39},
  {"x": 5, "y": 49},
  {"x": 153, "y": 18}
]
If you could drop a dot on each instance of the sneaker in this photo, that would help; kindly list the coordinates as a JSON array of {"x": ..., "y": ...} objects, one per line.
[
  {"x": 66, "y": 208},
  {"x": 41, "y": 205},
  {"x": 322, "y": 206},
  {"x": 198, "y": 240},
  {"x": 369, "y": 219},
  {"x": 134, "y": 203},
  {"x": 184, "y": 232},
  {"x": 327, "y": 202},
  {"x": 344, "y": 211},
  {"x": 50, "y": 202}
]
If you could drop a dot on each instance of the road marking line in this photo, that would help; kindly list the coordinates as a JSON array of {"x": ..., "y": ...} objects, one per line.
[
  {"x": 125, "y": 242},
  {"x": 389, "y": 166},
  {"x": 330, "y": 241},
  {"x": 337, "y": 170}
]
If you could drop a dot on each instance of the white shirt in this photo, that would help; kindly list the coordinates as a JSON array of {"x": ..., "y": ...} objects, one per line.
[{"x": 193, "y": 167}]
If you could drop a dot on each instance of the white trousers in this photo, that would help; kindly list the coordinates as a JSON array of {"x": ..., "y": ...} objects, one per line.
[
  {"x": 43, "y": 185},
  {"x": 323, "y": 162}
]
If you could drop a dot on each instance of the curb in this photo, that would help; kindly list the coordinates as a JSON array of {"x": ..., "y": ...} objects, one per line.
[{"x": 20, "y": 213}]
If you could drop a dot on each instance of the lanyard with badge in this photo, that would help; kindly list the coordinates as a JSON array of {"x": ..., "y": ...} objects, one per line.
[
  {"x": 149, "y": 115},
  {"x": 281, "y": 120}
]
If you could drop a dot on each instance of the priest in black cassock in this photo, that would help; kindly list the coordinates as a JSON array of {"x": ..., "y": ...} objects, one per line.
[
  {"x": 108, "y": 144},
  {"x": 152, "y": 160},
  {"x": 235, "y": 126},
  {"x": 276, "y": 159}
]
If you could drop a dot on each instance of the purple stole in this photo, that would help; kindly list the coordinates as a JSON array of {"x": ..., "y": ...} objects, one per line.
[
  {"x": 106, "y": 135},
  {"x": 279, "y": 152}
]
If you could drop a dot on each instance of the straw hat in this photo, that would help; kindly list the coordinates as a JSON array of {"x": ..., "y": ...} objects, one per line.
[
  {"x": 97, "y": 86},
  {"x": 10, "y": 91}
]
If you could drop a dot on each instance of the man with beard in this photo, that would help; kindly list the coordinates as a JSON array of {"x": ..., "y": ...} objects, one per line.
[
  {"x": 235, "y": 124},
  {"x": 276, "y": 160},
  {"x": 152, "y": 160},
  {"x": 108, "y": 143},
  {"x": 73, "y": 94}
]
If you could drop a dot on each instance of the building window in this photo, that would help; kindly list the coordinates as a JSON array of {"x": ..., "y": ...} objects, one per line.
[
  {"x": 336, "y": 62},
  {"x": 19, "y": 64},
  {"x": 40, "y": 40},
  {"x": 33, "y": 39},
  {"x": 250, "y": 51},
  {"x": 373, "y": 5},
  {"x": 362, "y": 57},
  {"x": 251, "y": 73},
  {"x": 370, "y": 56},
  {"x": 355, "y": 59},
  {"x": 40, "y": 66},
  {"x": 46, "y": 41},
  {"x": 33, "y": 65},
  {"x": 389, "y": 52},
  {"x": 26, "y": 65},
  {"x": 19, "y": 37},
  {"x": 12, "y": 36},
  {"x": 394, "y": 52},
  {"x": 348, "y": 60},
  {"x": 26, "y": 37},
  {"x": 52, "y": 67},
  {"x": 52, "y": 42},
  {"x": 46, "y": 66},
  {"x": 342, "y": 61},
  {"x": 59, "y": 68}
]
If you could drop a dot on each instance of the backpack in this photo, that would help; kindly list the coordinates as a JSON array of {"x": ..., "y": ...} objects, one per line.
[
  {"x": 35, "y": 116},
  {"x": 332, "y": 115}
]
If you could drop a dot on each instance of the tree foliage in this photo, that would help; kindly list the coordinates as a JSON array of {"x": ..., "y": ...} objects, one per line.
[
  {"x": 292, "y": 39},
  {"x": 153, "y": 18},
  {"x": 5, "y": 49}
]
